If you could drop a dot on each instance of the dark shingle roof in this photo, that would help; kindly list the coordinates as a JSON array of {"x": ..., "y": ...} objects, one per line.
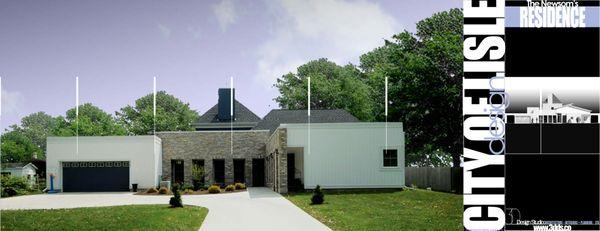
[
  {"x": 283, "y": 116},
  {"x": 242, "y": 115}
]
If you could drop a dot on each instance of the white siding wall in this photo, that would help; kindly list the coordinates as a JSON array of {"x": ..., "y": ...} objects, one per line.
[
  {"x": 348, "y": 155},
  {"x": 142, "y": 152}
]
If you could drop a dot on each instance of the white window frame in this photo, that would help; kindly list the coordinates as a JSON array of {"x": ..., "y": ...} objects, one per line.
[{"x": 380, "y": 153}]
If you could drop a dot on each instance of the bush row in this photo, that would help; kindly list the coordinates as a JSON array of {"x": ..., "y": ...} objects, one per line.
[
  {"x": 13, "y": 186},
  {"x": 189, "y": 189}
]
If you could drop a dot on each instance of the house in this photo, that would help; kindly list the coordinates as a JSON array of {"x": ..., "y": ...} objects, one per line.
[
  {"x": 281, "y": 151},
  {"x": 553, "y": 111},
  {"x": 27, "y": 170}
]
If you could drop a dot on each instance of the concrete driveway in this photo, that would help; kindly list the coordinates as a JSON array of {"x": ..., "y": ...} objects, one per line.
[{"x": 255, "y": 209}]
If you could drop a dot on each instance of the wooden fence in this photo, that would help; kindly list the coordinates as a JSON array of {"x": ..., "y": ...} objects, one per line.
[{"x": 445, "y": 179}]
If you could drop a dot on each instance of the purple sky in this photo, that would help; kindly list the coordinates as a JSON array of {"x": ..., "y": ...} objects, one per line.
[{"x": 193, "y": 47}]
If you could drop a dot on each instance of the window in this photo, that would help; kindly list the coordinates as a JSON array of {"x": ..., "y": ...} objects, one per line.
[
  {"x": 390, "y": 158},
  {"x": 219, "y": 171}
]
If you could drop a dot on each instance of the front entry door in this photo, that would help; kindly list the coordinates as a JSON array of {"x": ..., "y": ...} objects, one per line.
[
  {"x": 177, "y": 171},
  {"x": 219, "y": 170},
  {"x": 291, "y": 169},
  {"x": 239, "y": 171},
  {"x": 258, "y": 172}
]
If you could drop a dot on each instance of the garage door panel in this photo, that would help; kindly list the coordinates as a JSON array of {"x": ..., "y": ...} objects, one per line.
[{"x": 95, "y": 177}]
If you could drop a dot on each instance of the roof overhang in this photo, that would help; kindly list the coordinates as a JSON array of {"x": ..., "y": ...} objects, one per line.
[{"x": 225, "y": 125}]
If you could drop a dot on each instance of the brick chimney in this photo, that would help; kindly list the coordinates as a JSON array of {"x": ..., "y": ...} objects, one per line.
[{"x": 224, "y": 107}]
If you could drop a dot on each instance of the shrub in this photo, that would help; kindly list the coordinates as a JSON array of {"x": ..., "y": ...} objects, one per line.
[
  {"x": 9, "y": 192},
  {"x": 318, "y": 197},
  {"x": 214, "y": 189},
  {"x": 151, "y": 190},
  {"x": 188, "y": 191},
  {"x": 175, "y": 201},
  {"x": 12, "y": 186},
  {"x": 239, "y": 186},
  {"x": 163, "y": 190},
  {"x": 17, "y": 183},
  {"x": 187, "y": 186},
  {"x": 230, "y": 188}
]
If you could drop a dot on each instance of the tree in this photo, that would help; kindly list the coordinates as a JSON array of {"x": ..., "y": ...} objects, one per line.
[
  {"x": 37, "y": 127},
  {"x": 318, "y": 196},
  {"x": 332, "y": 87},
  {"x": 92, "y": 121},
  {"x": 171, "y": 115},
  {"x": 425, "y": 73},
  {"x": 16, "y": 147},
  {"x": 175, "y": 201}
]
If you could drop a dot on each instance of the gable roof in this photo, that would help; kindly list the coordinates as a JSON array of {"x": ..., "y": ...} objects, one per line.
[
  {"x": 574, "y": 107},
  {"x": 283, "y": 116},
  {"x": 554, "y": 99},
  {"x": 16, "y": 165},
  {"x": 242, "y": 115}
]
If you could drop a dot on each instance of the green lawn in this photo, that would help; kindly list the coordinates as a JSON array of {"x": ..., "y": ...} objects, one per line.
[
  {"x": 385, "y": 209},
  {"x": 128, "y": 217}
]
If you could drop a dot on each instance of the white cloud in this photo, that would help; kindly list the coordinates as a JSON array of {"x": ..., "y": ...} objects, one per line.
[
  {"x": 12, "y": 102},
  {"x": 225, "y": 13},
  {"x": 164, "y": 30},
  {"x": 335, "y": 29}
]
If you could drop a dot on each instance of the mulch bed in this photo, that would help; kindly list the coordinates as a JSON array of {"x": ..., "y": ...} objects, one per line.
[{"x": 199, "y": 192}]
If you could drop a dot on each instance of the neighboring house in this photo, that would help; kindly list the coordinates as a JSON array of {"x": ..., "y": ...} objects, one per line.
[
  {"x": 239, "y": 146},
  {"x": 27, "y": 170},
  {"x": 553, "y": 111}
]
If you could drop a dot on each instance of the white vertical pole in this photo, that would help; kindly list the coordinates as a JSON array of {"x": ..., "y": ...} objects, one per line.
[
  {"x": 231, "y": 114},
  {"x": 77, "y": 114},
  {"x": 308, "y": 115},
  {"x": 154, "y": 106},
  {"x": 308, "y": 97},
  {"x": 231, "y": 98},
  {"x": 386, "y": 96},
  {"x": 386, "y": 112}
]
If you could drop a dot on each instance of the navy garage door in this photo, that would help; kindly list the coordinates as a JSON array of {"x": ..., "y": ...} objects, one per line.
[{"x": 95, "y": 176}]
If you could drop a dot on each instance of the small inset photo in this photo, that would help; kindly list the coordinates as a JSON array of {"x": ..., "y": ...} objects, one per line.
[{"x": 553, "y": 115}]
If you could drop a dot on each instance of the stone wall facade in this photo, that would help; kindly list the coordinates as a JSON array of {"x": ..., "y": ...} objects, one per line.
[
  {"x": 210, "y": 145},
  {"x": 276, "y": 161}
]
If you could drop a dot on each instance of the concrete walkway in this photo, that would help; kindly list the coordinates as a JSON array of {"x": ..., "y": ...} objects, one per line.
[{"x": 255, "y": 209}]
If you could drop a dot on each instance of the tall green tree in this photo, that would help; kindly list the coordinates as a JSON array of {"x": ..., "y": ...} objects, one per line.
[
  {"x": 171, "y": 115},
  {"x": 36, "y": 127},
  {"x": 425, "y": 73},
  {"x": 332, "y": 87},
  {"x": 16, "y": 147},
  {"x": 92, "y": 121}
]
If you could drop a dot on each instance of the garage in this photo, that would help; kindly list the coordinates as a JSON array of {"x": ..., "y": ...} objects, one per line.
[
  {"x": 103, "y": 163},
  {"x": 95, "y": 176}
]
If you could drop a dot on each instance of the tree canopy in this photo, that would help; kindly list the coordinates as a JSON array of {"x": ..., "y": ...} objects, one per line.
[
  {"x": 171, "y": 115},
  {"x": 332, "y": 87},
  {"x": 36, "y": 127},
  {"x": 22, "y": 141},
  {"x": 92, "y": 121},
  {"x": 16, "y": 147}
]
